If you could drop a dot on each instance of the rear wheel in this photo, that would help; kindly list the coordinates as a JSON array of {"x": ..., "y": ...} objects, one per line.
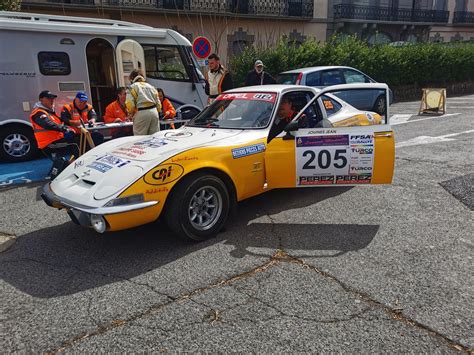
[
  {"x": 198, "y": 207},
  {"x": 380, "y": 105},
  {"x": 17, "y": 143}
]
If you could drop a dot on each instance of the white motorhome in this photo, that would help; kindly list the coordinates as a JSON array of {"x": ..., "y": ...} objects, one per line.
[{"x": 69, "y": 54}]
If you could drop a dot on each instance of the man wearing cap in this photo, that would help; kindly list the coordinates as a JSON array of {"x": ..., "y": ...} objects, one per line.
[
  {"x": 258, "y": 76},
  {"x": 79, "y": 114},
  {"x": 47, "y": 126}
]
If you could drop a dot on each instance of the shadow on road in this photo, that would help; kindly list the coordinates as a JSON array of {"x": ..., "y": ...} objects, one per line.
[{"x": 46, "y": 263}]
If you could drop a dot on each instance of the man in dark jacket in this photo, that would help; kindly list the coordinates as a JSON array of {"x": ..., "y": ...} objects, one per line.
[{"x": 258, "y": 76}]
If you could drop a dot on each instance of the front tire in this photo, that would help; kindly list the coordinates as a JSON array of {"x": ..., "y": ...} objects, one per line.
[{"x": 198, "y": 207}]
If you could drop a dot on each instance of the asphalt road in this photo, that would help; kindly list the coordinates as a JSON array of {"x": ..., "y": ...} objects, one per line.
[{"x": 370, "y": 268}]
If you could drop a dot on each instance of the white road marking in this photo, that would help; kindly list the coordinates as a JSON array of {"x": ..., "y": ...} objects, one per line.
[
  {"x": 399, "y": 118},
  {"x": 428, "y": 139},
  {"x": 428, "y": 118}
]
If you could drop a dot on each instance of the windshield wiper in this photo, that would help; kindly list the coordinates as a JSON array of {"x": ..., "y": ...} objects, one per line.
[{"x": 210, "y": 122}]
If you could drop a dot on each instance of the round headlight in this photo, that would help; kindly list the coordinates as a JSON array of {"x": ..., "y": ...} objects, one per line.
[{"x": 98, "y": 223}]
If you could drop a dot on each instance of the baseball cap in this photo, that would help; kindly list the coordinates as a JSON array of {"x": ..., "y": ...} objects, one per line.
[
  {"x": 47, "y": 94},
  {"x": 82, "y": 96},
  {"x": 258, "y": 63}
]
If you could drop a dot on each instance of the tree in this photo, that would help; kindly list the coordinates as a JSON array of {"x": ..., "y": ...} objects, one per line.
[{"x": 10, "y": 5}]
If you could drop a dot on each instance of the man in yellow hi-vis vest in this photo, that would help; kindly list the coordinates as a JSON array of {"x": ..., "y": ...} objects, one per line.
[{"x": 142, "y": 99}]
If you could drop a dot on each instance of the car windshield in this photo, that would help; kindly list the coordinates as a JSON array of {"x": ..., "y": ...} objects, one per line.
[{"x": 237, "y": 110}]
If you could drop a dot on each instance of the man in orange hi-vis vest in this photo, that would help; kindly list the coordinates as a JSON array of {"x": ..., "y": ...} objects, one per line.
[
  {"x": 47, "y": 126},
  {"x": 79, "y": 114}
]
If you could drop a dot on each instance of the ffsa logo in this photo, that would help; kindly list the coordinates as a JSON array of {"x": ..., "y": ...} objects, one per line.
[{"x": 164, "y": 174}]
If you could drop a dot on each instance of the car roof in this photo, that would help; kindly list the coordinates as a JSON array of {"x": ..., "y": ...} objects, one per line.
[
  {"x": 277, "y": 88},
  {"x": 311, "y": 69}
]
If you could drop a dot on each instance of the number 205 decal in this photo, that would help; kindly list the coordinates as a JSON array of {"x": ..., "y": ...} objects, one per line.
[{"x": 324, "y": 159}]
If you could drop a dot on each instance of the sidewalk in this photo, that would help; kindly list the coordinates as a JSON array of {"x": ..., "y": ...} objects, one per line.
[{"x": 25, "y": 172}]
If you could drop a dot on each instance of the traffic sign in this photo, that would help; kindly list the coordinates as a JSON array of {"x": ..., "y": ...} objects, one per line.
[{"x": 201, "y": 47}]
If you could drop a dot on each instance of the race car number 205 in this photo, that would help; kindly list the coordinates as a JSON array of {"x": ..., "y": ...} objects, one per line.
[{"x": 334, "y": 159}]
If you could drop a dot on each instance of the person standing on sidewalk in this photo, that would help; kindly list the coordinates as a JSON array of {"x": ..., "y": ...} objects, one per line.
[
  {"x": 142, "y": 99},
  {"x": 218, "y": 79},
  {"x": 258, "y": 76}
]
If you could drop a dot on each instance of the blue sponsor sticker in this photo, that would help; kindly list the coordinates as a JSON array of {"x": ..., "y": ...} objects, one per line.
[
  {"x": 250, "y": 150},
  {"x": 112, "y": 160},
  {"x": 99, "y": 166}
]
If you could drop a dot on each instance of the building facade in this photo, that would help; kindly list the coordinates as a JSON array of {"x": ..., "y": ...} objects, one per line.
[{"x": 232, "y": 25}]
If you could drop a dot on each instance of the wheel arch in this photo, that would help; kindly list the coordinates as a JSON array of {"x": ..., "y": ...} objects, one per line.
[
  {"x": 16, "y": 122},
  {"x": 211, "y": 170}
]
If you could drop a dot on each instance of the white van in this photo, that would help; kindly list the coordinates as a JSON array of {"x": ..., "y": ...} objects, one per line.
[{"x": 68, "y": 54}]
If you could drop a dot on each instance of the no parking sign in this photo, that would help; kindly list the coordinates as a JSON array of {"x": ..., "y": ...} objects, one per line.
[{"x": 201, "y": 47}]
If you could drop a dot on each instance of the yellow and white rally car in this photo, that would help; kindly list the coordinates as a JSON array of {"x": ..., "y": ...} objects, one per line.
[{"x": 250, "y": 140}]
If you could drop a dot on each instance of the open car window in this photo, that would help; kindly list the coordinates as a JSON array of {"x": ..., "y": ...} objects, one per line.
[{"x": 238, "y": 110}]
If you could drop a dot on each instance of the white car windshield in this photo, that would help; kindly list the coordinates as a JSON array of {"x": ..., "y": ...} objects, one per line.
[{"x": 237, "y": 110}]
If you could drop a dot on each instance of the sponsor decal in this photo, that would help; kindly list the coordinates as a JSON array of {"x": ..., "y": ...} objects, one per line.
[
  {"x": 370, "y": 117},
  {"x": 359, "y": 169},
  {"x": 78, "y": 163},
  {"x": 21, "y": 73},
  {"x": 114, "y": 161},
  {"x": 328, "y": 104},
  {"x": 353, "y": 179},
  {"x": 182, "y": 134},
  {"x": 164, "y": 174},
  {"x": 99, "y": 166},
  {"x": 261, "y": 96},
  {"x": 362, "y": 150},
  {"x": 319, "y": 141},
  {"x": 362, "y": 139},
  {"x": 246, "y": 151},
  {"x": 181, "y": 159},
  {"x": 153, "y": 142},
  {"x": 315, "y": 180},
  {"x": 156, "y": 190}
]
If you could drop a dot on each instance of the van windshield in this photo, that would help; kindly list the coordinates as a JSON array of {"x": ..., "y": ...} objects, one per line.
[{"x": 237, "y": 110}]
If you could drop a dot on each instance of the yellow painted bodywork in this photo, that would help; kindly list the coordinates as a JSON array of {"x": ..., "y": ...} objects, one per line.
[
  {"x": 275, "y": 166},
  {"x": 361, "y": 119}
]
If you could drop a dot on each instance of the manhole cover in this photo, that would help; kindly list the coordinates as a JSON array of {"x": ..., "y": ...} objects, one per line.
[{"x": 461, "y": 187}]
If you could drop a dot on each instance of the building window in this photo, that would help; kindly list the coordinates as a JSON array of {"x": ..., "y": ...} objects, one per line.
[
  {"x": 165, "y": 63},
  {"x": 379, "y": 38},
  {"x": 54, "y": 63}
]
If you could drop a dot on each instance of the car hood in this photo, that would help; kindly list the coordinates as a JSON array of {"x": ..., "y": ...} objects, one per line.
[{"x": 105, "y": 171}]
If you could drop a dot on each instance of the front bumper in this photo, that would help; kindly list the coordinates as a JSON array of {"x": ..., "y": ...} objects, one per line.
[{"x": 81, "y": 214}]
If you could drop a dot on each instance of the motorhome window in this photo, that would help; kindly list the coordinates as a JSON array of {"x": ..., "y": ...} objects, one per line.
[
  {"x": 165, "y": 63},
  {"x": 54, "y": 63}
]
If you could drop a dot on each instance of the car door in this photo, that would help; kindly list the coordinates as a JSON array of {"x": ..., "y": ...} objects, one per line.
[{"x": 332, "y": 156}]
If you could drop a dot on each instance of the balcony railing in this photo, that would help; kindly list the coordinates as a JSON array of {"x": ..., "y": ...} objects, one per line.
[
  {"x": 376, "y": 13},
  {"x": 463, "y": 17},
  {"x": 274, "y": 8}
]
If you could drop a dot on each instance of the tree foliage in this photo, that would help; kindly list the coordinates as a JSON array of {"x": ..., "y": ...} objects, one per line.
[{"x": 10, "y": 5}]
